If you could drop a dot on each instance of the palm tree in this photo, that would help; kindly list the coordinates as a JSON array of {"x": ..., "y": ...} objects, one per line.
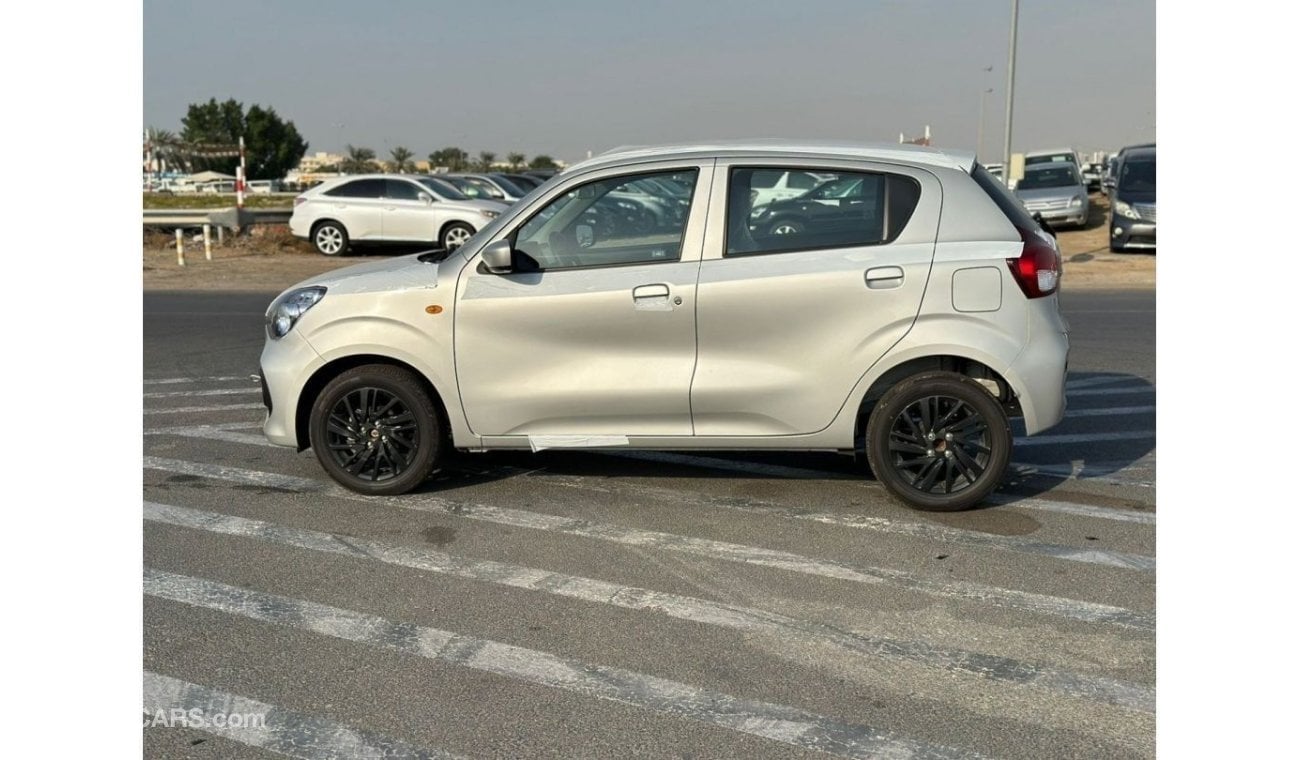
[
  {"x": 402, "y": 160},
  {"x": 516, "y": 161},
  {"x": 485, "y": 160},
  {"x": 359, "y": 161},
  {"x": 165, "y": 150}
]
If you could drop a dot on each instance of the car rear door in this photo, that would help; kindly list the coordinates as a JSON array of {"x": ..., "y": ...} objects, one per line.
[
  {"x": 788, "y": 323},
  {"x": 593, "y": 332},
  {"x": 406, "y": 216}
]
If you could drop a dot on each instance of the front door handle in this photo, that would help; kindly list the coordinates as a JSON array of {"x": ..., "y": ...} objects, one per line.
[
  {"x": 884, "y": 277},
  {"x": 658, "y": 290}
]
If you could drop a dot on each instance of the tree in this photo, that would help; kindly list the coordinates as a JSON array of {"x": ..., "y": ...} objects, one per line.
[
  {"x": 164, "y": 151},
  {"x": 543, "y": 162},
  {"x": 516, "y": 161},
  {"x": 359, "y": 161},
  {"x": 485, "y": 160},
  {"x": 272, "y": 146},
  {"x": 402, "y": 162},
  {"x": 455, "y": 159}
]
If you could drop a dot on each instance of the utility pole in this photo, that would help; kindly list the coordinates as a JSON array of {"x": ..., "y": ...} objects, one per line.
[
  {"x": 979, "y": 139},
  {"x": 1011, "y": 93}
]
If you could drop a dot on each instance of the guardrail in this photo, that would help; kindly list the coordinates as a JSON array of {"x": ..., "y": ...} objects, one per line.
[{"x": 227, "y": 218}]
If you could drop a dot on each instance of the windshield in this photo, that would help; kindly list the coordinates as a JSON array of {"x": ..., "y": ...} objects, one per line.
[
  {"x": 442, "y": 189},
  {"x": 1050, "y": 159},
  {"x": 1138, "y": 176},
  {"x": 1062, "y": 176},
  {"x": 510, "y": 187}
]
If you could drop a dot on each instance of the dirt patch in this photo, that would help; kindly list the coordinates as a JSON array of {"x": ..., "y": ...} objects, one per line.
[{"x": 271, "y": 259}]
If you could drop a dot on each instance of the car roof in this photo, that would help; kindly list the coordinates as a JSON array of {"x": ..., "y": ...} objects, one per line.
[
  {"x": 1143, "y": 151},
  {"x": 886, "y": 152},
  {"x": 1050, "y": 152}
]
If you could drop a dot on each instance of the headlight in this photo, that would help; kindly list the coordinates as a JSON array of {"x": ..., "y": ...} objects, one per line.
[
  {"x": 1075, "y": 202},
  {"x": 1125, "y": 210},
  {"x": 286, "y": 309},
  {"x": 758, "y": 211},
  {"x": 490, "y": 214}
]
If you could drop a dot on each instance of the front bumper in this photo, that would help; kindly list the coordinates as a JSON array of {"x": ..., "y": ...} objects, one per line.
[
  {"x": 287, "y": 364},
  {"x": 1076, "y": 216},
  {"x": 1132, "y": 233}
]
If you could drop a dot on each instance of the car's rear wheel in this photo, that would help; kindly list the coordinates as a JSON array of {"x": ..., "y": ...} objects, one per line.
[
  {"x": 785, "y": 227},
  {"x": 330, "y": 238},
  {"x": 939, "y": 441},
  {"x": 454, "y": 235},
  {"x": 376, "y": 430}
]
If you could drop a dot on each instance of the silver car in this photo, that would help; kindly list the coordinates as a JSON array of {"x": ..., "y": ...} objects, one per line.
[
  {"x": 907, "y": 321},
  {"x": 388, "y": 208},
  {"x": 1056, "y": 192}
]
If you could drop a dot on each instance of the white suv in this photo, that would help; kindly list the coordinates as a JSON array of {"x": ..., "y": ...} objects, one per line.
[
  {"x": 388, "y": 208},
  {"x": 907, "y": 321}
]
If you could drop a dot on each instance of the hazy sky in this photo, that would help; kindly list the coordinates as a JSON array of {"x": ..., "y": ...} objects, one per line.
[{"x": 566, "y": 76}]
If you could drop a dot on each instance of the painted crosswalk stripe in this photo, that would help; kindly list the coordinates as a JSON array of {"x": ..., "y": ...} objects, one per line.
[
  {"x": 800, "y": 634},
  {"x": 275, "y": 729},
  {"x": 1089, "y": 382},
  {"x": 207, "y": 392},
  {"x": 1014, "y": 599},
  {"x": 1137, "y": 389},
  {"x": 1057, "y": 440},
  {"x": 186, "y": 380},
  {"x": 1113, "y": 411},
  {"x": 880, "y": 524},
  {"x": 202, "y": 409},
  {"x": 230, "y": 434},
  {"x": 788, "y": 725}
]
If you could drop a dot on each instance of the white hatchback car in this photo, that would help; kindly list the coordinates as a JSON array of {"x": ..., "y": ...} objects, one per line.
[
  {"x": 388, "y": 208},
  {"x": 906, "y": 321}
]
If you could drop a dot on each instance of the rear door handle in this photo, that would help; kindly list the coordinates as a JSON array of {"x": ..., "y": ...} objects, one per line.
[
  {"x": 884, "y": 277},
  {"x": 657, "y": 290}
]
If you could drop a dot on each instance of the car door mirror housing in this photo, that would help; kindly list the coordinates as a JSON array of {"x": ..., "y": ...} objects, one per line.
[
  {"x": 498, "y": 257},
  {"x": 425, "y": 198}
]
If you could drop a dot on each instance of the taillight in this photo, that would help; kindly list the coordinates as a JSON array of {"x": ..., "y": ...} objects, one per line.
[
  {"x": 299, "y": 200},
  {"x": 1038, "y": 270}
]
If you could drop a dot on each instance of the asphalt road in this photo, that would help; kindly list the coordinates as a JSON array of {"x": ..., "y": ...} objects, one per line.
[{"x": 665, "y": 605}]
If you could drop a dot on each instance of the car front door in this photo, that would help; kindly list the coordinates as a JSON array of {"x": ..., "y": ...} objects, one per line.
[
  {"x": 791, "y": 316},
  {"x": 358, "y": 206},
  {"x": 592, "y": 333},
  {"x": 409, "y": 212}
]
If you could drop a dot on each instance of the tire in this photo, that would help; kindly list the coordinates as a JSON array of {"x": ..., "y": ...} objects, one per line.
[
  {"x": 329, "y": 238},
  {"x": 375, "y": 430},
  {"x": 785, "y": 227},
  {"x": 454, "y": 235},
  {"x": 960, "y": 470}
]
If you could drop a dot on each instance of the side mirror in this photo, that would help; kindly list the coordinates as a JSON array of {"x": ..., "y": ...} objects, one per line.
[
  {"x": 425, "y": 198},
  {"x": 586, "y": 235},
  {"x": 498, "y": 257}
]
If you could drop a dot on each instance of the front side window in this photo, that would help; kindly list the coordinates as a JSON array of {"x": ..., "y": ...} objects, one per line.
[
  {"x": 361, "y": 188},
  {"x": 845, "y": 209},
  {"x": 609, "y": 222}
]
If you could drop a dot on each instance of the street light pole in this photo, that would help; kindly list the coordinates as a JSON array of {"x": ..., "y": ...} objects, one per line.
[{"x": 1011, "y": 93}]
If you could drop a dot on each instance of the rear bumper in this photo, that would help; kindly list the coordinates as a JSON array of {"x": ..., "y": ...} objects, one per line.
[{"x": 1038, "y": 374}]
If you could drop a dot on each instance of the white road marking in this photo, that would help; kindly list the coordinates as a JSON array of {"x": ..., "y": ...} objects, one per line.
[
  {"x": 788, "y": 725},
  {"x": 798, "y": 633},
  {"x": 1013, "y": 599},
  {"x": 184, "y": 380},
  {"x": 1110, "y": 411},
  {"x": 1082, "y": 510},
  {"x": 201, "y": 409},
  {"x": 279, "y": 730},
  {"x": 1056, "y": 440},
  {"x": 209, "y": 392},
  {"x": 1111, "y": 391},
  {"x": 227, "y": 433},
  {"x": 1089, "y": 382}
]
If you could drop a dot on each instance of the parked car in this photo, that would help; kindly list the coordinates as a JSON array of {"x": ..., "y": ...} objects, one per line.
[
  {"x": 1056, "y": 192},
  {"x": 472, "y": 189},
  {"x": 775, "y": 185},
  {"x": 499, "y": 188},
  {"x": 388, "y": 208},
  {"x": 1055, "y": 155},
  {"x": 1091, "y": 174},
  {"x": 1133, "y": 200},
  {"x": 523, "y": 181},
  {"x": 1108, "y": 181},
  {"x": 882, "y": 327}
]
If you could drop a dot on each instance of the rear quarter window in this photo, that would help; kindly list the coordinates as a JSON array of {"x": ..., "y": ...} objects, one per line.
[{"x": 1005, "y": 201}]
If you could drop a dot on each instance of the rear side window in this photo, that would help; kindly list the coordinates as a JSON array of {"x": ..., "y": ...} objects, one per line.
[
  {"x": 1009, "y": 204},
  {"x": 400, "y": 190},
  {"x": 361, "y": 188},
  {"x": 844, "y": 209}
]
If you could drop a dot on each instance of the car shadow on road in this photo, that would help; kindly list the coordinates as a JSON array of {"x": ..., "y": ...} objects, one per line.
[{"x": 1108, "y": 436}]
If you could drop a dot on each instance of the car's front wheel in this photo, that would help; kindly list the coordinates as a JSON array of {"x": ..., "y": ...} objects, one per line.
[
  {"x": 376, "y": 430},
  {"x": 455, "y": 235},
  {"x": 330, "y": 238},
  {"x": 939, "y": 441}
]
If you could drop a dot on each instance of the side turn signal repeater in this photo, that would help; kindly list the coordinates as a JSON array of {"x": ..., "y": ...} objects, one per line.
[{"x": 433, "y": 308}]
